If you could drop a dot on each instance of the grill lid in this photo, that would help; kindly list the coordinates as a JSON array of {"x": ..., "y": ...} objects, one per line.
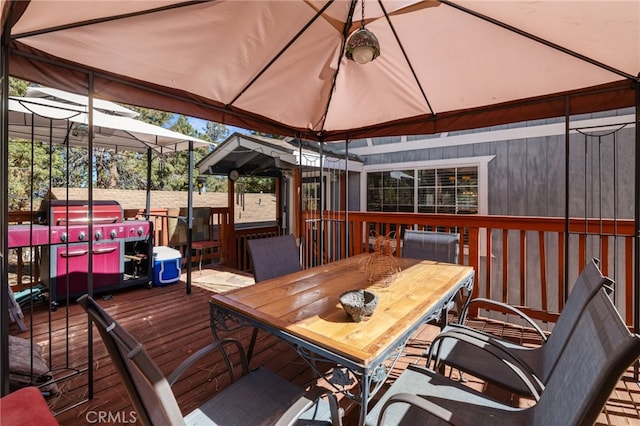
[{"x": 76, "y": 212}]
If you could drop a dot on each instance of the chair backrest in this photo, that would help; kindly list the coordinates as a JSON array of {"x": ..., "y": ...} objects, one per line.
[
  {"x": 147, "y": 387},
  {"x": 274, "y": 256},
  {"x": 438, "y": 246},
  {"x": 597, "y": 353},
  {"x": 589, "y": 283}
]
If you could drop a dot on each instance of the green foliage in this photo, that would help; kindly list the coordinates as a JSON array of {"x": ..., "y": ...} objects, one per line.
[
  {"x": 17, "y": 87},
  {"x": 148, "y": 115},
  {"x": 183, "y": 126},
  {"x": 215, "y": 183},
  {"x": 267, "y": 135},
  {"x": 216, "y": 132},
  {"x": 257, "y": 185},
  {"x": 123, "y": 170},
  {"x": 28, "y": 180}
]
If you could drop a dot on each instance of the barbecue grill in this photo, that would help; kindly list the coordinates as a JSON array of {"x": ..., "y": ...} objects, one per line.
[{"x": 121, "y": 251}]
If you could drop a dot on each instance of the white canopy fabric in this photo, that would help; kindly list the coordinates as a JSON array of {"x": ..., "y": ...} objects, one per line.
[
  {"x": 48, "y": 120},
  {"x": 99, "y": 104},
  {"x": 278, "y": 66}
]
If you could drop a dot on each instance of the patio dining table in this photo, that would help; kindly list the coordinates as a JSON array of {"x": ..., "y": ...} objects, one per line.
[{"x": 303, "y": 308}]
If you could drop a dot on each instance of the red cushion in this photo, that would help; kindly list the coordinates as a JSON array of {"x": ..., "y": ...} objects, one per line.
[{"x": 26, "y": 407}]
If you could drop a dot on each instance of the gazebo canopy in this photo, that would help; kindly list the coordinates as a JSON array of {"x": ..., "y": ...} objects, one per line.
[{"x": 279, "y": 66}]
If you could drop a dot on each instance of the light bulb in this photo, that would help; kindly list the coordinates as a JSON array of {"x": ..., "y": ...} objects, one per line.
[{"x": 363, "y": 54}]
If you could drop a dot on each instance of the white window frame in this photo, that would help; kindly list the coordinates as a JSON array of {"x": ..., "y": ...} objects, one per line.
[{"x": 481, "y": 162}]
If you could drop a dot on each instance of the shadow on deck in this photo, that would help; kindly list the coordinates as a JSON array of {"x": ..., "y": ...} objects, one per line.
[{"x": 172, "y": 325}]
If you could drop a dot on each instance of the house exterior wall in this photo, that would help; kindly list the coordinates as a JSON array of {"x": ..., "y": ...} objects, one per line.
[{"x": 526, "y": 176}]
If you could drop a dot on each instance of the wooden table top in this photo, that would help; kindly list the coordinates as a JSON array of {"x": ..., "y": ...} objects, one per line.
[{"x": 306, "y": 303}]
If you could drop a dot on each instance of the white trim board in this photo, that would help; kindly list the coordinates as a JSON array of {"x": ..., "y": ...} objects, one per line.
[{"x": 523, "y": 132}]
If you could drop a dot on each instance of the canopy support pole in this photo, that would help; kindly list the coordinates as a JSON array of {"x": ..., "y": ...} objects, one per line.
[
  {"x": 322, "y": 205},
  {"x": 148, "y": 201},
  {"x": 636, "y": 254},
  {"x": 4, "y": 209},
  {"x": 566, "y": 197},
  {"x": 301, "y": 228},
  {"x": 91, "y": 183},
  {"x": 189, "y": 217},
  {"x": 346, "y": 198}
]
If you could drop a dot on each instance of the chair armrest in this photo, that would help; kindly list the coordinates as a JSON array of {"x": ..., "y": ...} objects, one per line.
[
  {"x": 217, "y": 345},
  {"x": 337, "y": 413},
  {"x": 509, "y": 308},
  {"x": 418, "y": 402},
  {"x": 315, "y": 394},
  {"x": 515, "y": 364}
]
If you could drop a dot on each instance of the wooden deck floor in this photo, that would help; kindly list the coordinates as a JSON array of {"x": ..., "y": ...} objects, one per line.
[{"x": 172, "y": 325}]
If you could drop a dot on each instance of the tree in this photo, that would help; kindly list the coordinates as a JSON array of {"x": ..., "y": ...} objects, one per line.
[
  {"x": 213, "y": 132},
  {"x": 216, "y": 132},
  {"x": 257, "y": 184},
  {"x": 28, "y": 179},
  {"x": 267, "y": 135},
  {"x": 152, "y": 116},
  {"x": 17, "y": 87}
]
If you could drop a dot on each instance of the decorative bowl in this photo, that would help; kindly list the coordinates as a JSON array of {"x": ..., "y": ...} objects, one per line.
[{"x": 359, "y": 303}]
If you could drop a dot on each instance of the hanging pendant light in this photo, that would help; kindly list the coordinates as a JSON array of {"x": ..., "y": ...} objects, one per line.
[{"x": 362, "y": 46}]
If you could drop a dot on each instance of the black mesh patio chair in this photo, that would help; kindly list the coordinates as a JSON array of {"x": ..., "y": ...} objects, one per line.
[
  {"x": 270, "y": 258},
  {"x": 473, "y": 351},
  {"x": 258, "y": 397},
  {"x": 438, "y": 246},
  {"x": 274, "y": 256},
  {"x": 595, "y": 356}
]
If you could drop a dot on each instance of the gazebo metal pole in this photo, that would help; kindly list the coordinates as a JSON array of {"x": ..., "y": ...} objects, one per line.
[
  {"x": 148, "y": 202},
  {"x": 301, "y": 230},
  {"x": 4, "y": 211},
  {"x": 90, "y": 179},
  {"x": 346, "y": 198},
  {"x": 190, "y": 217},
  {"x": 636, "y": 254},
  {"x": 322, "y": 206},
  {"x": 566, "y": 197}
]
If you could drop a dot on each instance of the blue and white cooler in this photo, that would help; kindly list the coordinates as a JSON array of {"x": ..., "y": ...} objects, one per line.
[{"x": 166, "y": 265}]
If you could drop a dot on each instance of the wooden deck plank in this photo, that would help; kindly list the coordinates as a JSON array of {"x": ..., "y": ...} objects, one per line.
[{"x": 172, "y": 325}]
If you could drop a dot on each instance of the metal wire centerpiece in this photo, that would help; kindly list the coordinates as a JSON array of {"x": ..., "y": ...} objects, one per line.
[{"x": 381, "y": 266}]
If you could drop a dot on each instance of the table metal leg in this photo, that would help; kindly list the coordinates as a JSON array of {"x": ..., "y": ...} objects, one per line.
[{"x": 252, "y": 344}]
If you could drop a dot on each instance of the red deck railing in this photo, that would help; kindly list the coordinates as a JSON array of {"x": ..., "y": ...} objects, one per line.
[{"x": 519, "y": 260}]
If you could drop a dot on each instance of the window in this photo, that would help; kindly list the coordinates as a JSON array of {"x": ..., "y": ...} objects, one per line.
[
  {"x": 451, "y": 190},
  {"x": 391, "y": 191}
]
